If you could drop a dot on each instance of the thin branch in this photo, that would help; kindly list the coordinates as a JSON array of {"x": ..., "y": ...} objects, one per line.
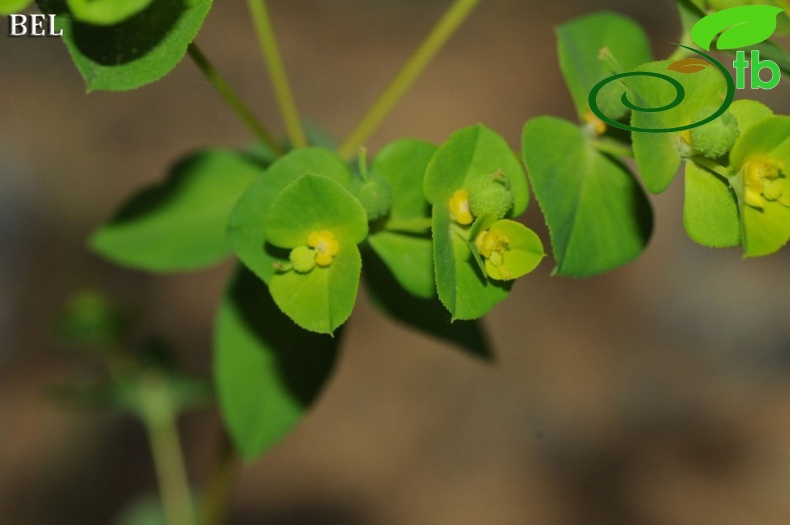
[
  {"x": 232, "y": 99},
  {"x": 274, "y": 63},
  {"x": 441, "y": 33}
]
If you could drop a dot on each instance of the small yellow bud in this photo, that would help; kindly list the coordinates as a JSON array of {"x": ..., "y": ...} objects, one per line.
[{"x": 459, "y": 208}]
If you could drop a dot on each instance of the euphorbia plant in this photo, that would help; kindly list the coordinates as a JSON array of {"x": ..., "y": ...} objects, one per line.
[{"x": 433, "y": 228}]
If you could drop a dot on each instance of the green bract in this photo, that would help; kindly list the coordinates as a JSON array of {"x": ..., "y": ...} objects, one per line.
[
  {"x": 469, "y": 155},
  {"x": 761, "y": 159},
  {"x": 598, "y": 216},
  {"x": 322, "y": 299},
  {"x": 140, "y": 50},
  {"x": 710, "y": 211},
  {"x": 247, "y": 222}
]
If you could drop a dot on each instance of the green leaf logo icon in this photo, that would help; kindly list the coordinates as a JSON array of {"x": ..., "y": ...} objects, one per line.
[{"x": 739, "y": 27}]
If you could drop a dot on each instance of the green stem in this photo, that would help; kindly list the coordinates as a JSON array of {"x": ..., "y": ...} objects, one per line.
[
  {"x": 613, "y": 148},
  {"x": 160, "y": 423},
  {"x": 231, "y": 98},
  {"x": 441, "y": 33},
  {"x": 274, "y": 63},
  {"x": 710, "y": 165},
  {"x": 216, "y": 496}
]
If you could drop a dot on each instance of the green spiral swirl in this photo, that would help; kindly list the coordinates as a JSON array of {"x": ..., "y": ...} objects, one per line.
[{"x": 681, "y": 95}]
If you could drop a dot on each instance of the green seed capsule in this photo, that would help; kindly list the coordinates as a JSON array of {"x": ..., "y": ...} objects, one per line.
[
  {"x": 491, "y": 194},
  {"x": 374, "y": 194},
  {"x": 715, "y": 139},
  {"x": 303, "y": 259}
]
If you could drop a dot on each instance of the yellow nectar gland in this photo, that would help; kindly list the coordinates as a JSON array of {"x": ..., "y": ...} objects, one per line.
[
  {"x": 765, "y": 180},
  {"x": 492, "y": 246},
  {"x": 325, "y": 246},
  {"x": 594, "y": 123},
  {"x": 459, "y": 208}
]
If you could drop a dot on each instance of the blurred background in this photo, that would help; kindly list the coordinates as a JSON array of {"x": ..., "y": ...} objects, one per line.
[{"x": 658, "y": 394}]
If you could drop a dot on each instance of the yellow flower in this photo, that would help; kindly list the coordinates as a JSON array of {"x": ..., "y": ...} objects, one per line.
[
  {"x": 765, "y": 181},
  {"x": 325, "y": 246}
]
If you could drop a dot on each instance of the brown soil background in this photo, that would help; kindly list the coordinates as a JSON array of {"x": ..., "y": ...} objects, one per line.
[{"x": 658, "y": 394}]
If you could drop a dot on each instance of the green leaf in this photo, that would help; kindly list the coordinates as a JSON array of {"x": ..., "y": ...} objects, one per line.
[
  {"x": 323, "y": 298},
  {"x": 9, "y": 7},
  {"x": 472, "y": 153},
  {"x": 409, "y": 259},
  {"x": 598, "y": 216},
  {"x": 741, "y": 26},
  {"x": 766, "y": 229},
  {"x": 180, "y": 224},
  {"x": 710, "y": 211},
  {"x": 246, "y": 226},
  {"x": 580, "y": 43},
  {"x": 658, "y": 155},
  {"x": 463, "y": 289},
  {"x": 427, "y": 315},
  {"x": 267, "y": 371},
  {"x": 105, "y": 12},
  {"x": 407, "y": 254},
  {"x": 140, "y": 50}
]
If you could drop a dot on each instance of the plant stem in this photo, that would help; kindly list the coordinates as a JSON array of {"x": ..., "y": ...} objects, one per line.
[
  {"x": 216, "y": 495},
  {"x": 274, "y": 63},
  {"x": 231, "y": 98},
  {"x": 441, "y": 33},
  {"x": 160, "y": 423},
  {"x": 613, "y": 148},
  {"x": 710, "y": 165}
]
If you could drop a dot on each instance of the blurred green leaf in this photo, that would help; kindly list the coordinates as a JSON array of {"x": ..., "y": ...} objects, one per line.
[
  {"x": 580, "y": 44},
  {"x": 180, "y": 224},
  {"x": 9, "y": 7},
  {"x": 598, "y": 216},
  {"x": 89, "y": 319},
  {"x": 267, "y": 370},
  {"x": 105, "y": 12},
  {"x": 140, "y": 50}
]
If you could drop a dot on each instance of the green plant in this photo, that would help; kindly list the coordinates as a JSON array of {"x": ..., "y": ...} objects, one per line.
[{"x": 432, "y": 227}]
